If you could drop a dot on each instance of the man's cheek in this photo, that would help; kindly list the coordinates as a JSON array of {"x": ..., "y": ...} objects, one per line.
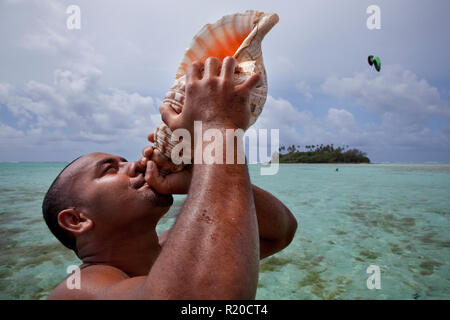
[
  {"x": 127, "y": 200},
  {"x": 106, "y": 198}
]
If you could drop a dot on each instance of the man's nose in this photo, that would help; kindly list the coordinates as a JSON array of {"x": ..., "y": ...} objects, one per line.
[{"x": 134, "y": 168}]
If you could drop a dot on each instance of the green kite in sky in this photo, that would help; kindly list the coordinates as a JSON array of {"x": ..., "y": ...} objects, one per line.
[{"x": 374, "y": 60}]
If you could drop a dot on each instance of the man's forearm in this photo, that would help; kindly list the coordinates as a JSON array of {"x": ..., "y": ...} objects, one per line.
[
  {"x": 276, "y": 223},
  {"x": 212, "y": 250}
]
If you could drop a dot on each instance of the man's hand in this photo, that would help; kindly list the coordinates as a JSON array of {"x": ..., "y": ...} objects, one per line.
[
  {"x": 212, "y": 98},
  {"x": 173, "y": 183}
]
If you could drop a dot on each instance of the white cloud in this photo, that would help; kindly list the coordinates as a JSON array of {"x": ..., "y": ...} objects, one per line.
[
  {"x": 281, "y": 114},
  {"x": 396, "y": 91},
  {"x": 340, "y": 119},
  {"x": 4, "y": 90},
  {"x": 304, "y": 89},
  {"x": 47, "y": 41},
  {"x": 88, "y": 109},
  {"x": 75, "y": 110},
  {"x": 7, "y": 132},
  {"x": 405, "y": 104}
]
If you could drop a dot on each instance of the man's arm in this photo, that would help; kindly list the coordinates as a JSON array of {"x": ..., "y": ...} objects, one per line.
[
  {"x": 212, "y": 250},
  {"x": 276, "y": 223},
  {"x": 216, "y": 240}
]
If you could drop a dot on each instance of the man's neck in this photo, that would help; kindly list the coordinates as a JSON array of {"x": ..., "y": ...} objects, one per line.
[{"x": 133, "y": 251}]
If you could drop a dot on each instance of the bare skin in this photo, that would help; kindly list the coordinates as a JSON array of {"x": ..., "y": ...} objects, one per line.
[
  {"x": 214, "y": 247},
  {"x": 276, "y": 224}
]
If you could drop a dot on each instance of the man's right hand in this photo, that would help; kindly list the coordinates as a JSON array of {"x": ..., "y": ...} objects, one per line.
[{"x": 212, "y": 97}]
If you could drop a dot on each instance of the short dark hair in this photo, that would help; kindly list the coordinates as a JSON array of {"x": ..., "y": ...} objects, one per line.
[{"x": 58, "y": 198}]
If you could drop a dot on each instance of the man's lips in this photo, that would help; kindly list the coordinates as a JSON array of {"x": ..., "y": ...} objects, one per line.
[{"x": 138, "y": 182}]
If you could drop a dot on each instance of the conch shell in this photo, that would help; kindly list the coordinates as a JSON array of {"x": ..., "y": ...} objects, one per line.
[{"x": 238, "y": 35}]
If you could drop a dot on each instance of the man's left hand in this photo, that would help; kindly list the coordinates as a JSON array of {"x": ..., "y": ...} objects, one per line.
[{"x": 173, "y": 183}]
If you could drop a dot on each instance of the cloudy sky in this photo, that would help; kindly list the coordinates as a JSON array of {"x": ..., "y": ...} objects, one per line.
[{"x": 65, "y": 92}]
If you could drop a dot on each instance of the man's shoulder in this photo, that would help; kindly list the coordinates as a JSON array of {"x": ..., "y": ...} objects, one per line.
[{"x": 88, "y": 282}]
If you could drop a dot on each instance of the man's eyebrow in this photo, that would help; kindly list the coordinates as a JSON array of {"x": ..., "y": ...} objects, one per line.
[{"x": 100, "y": 163}]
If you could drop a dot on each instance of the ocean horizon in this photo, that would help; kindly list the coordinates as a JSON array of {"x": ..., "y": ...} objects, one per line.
[
  {"x": 395, "y": 216},
  {"x": 266, "y": 163}
]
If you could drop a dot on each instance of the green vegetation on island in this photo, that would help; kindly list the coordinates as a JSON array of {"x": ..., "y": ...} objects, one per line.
[{"x": 321, "y": 154}]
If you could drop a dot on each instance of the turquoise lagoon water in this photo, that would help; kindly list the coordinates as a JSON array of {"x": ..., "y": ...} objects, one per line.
[{"x": 395, "y": 216}]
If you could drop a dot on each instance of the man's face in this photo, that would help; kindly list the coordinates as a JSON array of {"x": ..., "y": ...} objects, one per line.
[{"x": 113, "y": 191}]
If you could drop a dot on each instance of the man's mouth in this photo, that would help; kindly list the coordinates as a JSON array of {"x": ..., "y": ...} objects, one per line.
[{"x": 139, "y": 182}]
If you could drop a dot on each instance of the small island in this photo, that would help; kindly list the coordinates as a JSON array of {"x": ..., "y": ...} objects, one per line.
[{"x": 321, "y": 154}]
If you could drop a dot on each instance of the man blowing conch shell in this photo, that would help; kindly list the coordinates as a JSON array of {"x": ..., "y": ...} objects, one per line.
[{"x": 106, "y": 210}]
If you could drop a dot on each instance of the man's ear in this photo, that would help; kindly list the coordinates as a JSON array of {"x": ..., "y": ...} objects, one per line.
[{"x": 74, "y": 221}]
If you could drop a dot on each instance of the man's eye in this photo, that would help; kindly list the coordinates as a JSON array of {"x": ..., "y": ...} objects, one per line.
[{"x": 109, "y": 169}]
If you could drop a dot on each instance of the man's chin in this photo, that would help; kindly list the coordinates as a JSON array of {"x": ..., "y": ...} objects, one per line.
[{"x": 157, "y": 199}]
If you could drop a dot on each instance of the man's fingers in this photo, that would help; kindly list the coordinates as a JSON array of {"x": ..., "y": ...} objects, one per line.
[
  {"x": 142, "y": 163},
  {"x": 147, "y": 152},
  {"x": 154, "y": 178},
  {"x": 212, "y": 67},
  {"x": 228, "y": 66},
  {"x": 169, "y": 116},
  {"x": 162, "y": 161},
  {"x": 194, "y": 71},
  {"x": 151, "y": 137},
  {"x": 250, "y": 83},
  {"x": 159, "y": 158}
]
